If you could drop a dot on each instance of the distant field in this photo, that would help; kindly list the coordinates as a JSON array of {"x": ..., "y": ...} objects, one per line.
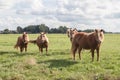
[{"x": 58, "y": 65}]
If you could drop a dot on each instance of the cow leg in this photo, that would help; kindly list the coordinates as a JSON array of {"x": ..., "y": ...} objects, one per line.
[
  {"x": 41, "y": 49},
  {"x": 74, "y": 49},
  {"x": 25, "y": 48},
  {"x": 79, "y": 51},
  {"x": 46, "y": 50},
  {"x": 97, "y": 54},
  {"x": 92, "y": 54},
  {"x": 21, "y": 49},
  {"x": 71, "y": 39}
]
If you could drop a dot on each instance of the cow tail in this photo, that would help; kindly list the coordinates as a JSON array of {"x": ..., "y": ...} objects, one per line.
[
  {"x": 16, "y": 46},
  {"x": 33, "y": 41}
]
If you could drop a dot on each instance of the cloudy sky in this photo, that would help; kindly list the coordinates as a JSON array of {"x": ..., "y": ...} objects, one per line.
[{"x": 80, "y": 14}]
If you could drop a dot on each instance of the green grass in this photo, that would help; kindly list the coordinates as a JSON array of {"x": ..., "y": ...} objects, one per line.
[{"x": 58, "y": 64}]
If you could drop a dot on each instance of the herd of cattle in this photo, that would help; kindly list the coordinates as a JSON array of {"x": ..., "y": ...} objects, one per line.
[
  {"x": 79, "y": 41},
  {"x": 42, "y": 42}
]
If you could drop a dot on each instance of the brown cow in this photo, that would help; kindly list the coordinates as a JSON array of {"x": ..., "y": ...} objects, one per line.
[
  {"x": 41, "y": 41},
  {"x": 71, "y": 32},
  {"x": 68, "y": 32},
  {"x": 90, "y": 41},
  {"x": 22, "y": 42}
]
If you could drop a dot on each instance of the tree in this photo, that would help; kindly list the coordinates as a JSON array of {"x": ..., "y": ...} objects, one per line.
[
  {"x": 36, "y": 28},
  {"x": 30, "y": 29},
  {"x": 43, "y": 28},
  {"x": 19, "y": 29},
  {"x": 62, "y": 29},
  {"x": 6, "y": 31},
  {"x": 53, "y": 30},
  {"x": 88, "y": 30}
]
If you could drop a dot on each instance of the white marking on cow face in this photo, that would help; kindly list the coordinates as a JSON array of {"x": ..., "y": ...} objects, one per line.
[
  {"x": 68, "y": 32},
  {"x": 25, "y": 37},
  {"x": 99, "y": 36},
  {"x": 43, "y": 37},
  {"x": 72, "y": 33}
]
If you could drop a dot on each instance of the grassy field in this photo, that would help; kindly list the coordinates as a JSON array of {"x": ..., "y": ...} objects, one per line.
[{"x": 58, "y": 65}]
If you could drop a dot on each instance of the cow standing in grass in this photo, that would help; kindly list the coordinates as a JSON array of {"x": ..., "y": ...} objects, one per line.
[
  {"x": 71, "y": 32},
  {"x": 68, "y": 32},
  {"x": 83, "y": 40},
  {"x": 41, "y": 41},
  {"x": 22, "y": 42}
]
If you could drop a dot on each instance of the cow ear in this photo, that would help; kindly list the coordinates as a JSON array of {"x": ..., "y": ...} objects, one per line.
[
  {"x": 102, "y": 30},
  {"x": 74, "y": 29},
  {"x": 95, "y": 30},
  {"x": 70, "y": 29},
  {"x": 40, "y": 32},
  {"x": 44, "y": 32}
]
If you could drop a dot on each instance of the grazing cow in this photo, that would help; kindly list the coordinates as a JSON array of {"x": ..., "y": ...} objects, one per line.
[
  {"x": 90, "y": 41},
  {"x": 71, "y": 32},
  {"x": 41, "y": 41},
  {"x": 22, "y": 42}
]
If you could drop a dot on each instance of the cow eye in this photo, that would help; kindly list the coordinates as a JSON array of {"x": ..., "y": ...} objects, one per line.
[{"x": 100, "y": 35}]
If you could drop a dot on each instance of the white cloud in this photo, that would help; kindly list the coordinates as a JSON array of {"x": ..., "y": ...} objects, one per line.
[
  {"x": 78, "y": 13},
  {"x": 37, "y": 5},
  {"x": 4, "y": 4}
]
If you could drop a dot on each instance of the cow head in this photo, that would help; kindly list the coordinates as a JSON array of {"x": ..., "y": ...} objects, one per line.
[
  {"x": 25, "y": 37},
  {"x": 68, "y": 31},
  {"x": 99, "y": 35},
  {"x": 43, "y": 37}
]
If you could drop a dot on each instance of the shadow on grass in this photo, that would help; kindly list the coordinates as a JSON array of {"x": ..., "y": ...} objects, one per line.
[
  {"x": 13, "y": 54},
  {"x": 59, "y": 53},
  {"x": 6, "y": 52},
  {"x": 59, "y": 63},
  {"x": 23, "y": 54}
]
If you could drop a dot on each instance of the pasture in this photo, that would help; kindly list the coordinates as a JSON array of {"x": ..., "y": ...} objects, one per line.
[{"x": 58, "y": 63}]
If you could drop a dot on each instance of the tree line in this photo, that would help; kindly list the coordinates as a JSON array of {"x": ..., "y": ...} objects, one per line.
[
  {"x": 36, "y": 29},
  {"x": 39, "y": 28}
]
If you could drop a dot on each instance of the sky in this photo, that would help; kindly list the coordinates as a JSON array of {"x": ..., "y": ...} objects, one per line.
[{"x": 80, "y": 14}]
